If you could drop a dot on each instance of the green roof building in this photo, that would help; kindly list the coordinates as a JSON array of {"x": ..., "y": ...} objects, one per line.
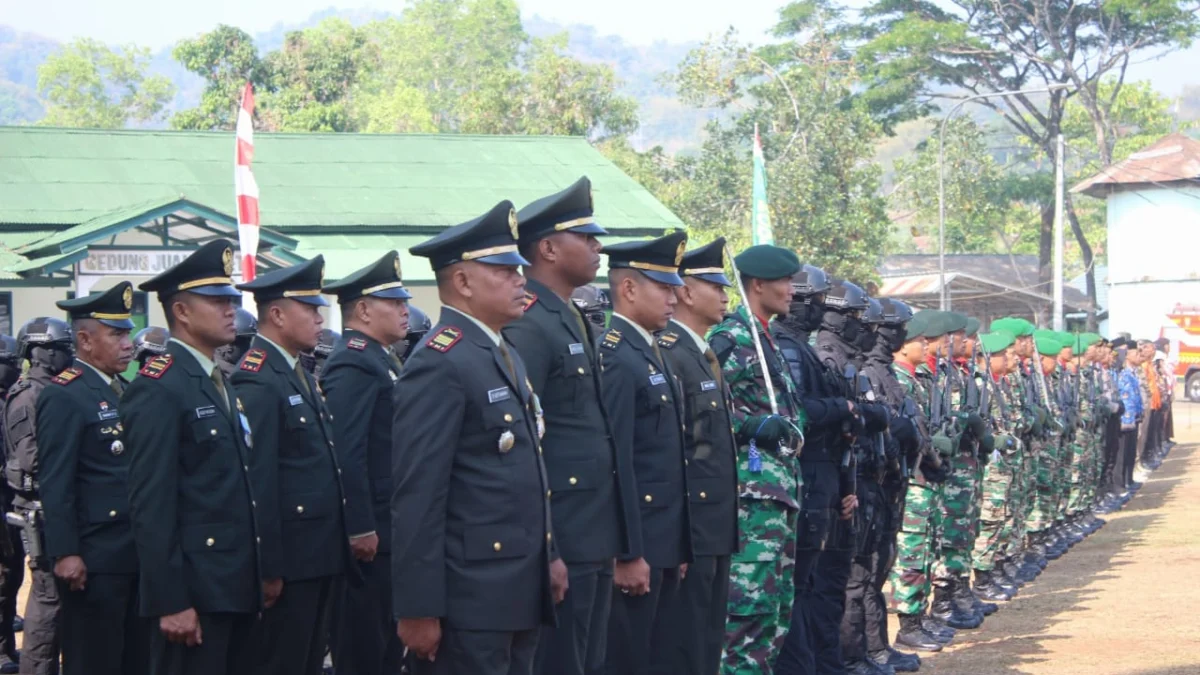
[{"x": 83, "y": 209}]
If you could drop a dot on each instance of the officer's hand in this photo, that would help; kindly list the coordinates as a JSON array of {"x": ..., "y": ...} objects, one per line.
[
  {"x": 271, "y": 589},
  {"x": 683, "y": 571},
  {"x": 558, "y": 580},
  {"x": 364, "y": 547},
  {"x": 849, "y": 503},
  {"x": 182, "y": 627},
  {"x": 632, "y": 577},
  {"x": 72, "y": 570},
  {"x": 422, "y": 636}
]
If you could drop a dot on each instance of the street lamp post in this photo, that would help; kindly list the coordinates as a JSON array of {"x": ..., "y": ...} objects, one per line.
[{"x": 944, "y": 295}]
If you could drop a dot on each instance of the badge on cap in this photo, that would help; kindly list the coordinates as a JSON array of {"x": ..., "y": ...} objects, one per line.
[
  {"x": 116, "y": 448},
  {"x": 506, "y": 441},
  {"x": 679, "y": 252},
  {"x": 227, "y": 260},
  {"x": 128, "y": 297},
  {"x": 512, "y": 223},
  {"x": 396, "y": 266}
]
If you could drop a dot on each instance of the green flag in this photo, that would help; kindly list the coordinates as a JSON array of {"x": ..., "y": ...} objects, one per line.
[{"x": 760, "y": 216}]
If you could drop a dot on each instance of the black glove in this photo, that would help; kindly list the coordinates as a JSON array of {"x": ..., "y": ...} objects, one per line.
[
  {"x": 904, "y": 431},
  {"x": 766, "y": 430},
  {"x": 932, "y": 473},
  {"x": 875, "y": 415}
]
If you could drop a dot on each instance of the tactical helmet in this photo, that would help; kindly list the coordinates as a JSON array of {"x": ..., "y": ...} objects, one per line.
[
  {"x": 418, "y": 325},
  {"x": 592, "y": 302},
  {"x": 874, "y": 313},
  {"x": 150, "y": 341},
  {"x": 44, "y": 331},
  {"x": 895, "y": 311},
  {"x": 846, "y": 296},
  {"x": 8, "y": 350},
  {"x": 245, "y": 323},
  {"x": 810, "y": 280},
  {"x": 325, "y": 343}
]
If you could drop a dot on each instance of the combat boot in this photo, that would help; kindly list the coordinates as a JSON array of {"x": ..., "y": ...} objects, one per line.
[
  {"x": 987, "y": 587},
  {"x": 868, "y": 667},
  {"x": 913, "y": 636},
  {"x": 968, "y": 603},
  {"x": 945, "y": 608},
  {"x": 938, "y": 629},
  {"x": 1011, "y": 569},
  {"x": 899, "y": 661}
]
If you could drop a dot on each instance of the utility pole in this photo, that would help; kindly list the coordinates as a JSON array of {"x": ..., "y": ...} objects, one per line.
[{"x": 1059, "y": 202}]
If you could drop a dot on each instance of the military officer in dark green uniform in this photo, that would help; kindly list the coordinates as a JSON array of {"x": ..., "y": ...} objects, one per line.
[
  {"x": 295, "y": 472},
  {"x": 642, "y": 397},
  {"x": 558, "y": 346},
  {"x": 697, "y": 616},
  {"x": 190, "y": 495},
  {"x": 358, "y": 379},
  {"x": 84, "y": 472},
  {"x": 471, "y": 532}
]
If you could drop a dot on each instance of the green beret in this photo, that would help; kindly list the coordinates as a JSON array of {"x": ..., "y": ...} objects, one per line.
[
  {"x": 956, "y": 322},
  {"x": 766, "y": 261},
  {"x": 996, "y": 341},
  {"x": 1093, "y": 338},
  {"x": 1047, "y": 345},
  {"x": 916, "y": 326},
  {"x": 1018, "y": 327},
  {"x": 973, "y": 326},
  {"x": 1067, "y": 340},
  {"x": 935, "y": 322}
]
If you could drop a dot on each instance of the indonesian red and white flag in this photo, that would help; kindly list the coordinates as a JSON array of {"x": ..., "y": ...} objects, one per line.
[{"x": 244, "y": 187}]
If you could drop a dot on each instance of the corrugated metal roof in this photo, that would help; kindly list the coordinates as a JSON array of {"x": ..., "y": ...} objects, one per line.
[
  {"x": 69, "y": 176},
  {"x": 1171, "y": 159}
]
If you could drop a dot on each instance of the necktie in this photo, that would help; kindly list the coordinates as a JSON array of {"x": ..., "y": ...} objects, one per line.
[
  {"x": 711, "y": 357},
  {"x": 395, "y": 361},
  {"x": 117, "y": 386},
  {"x": 300, "y": 373},
  {"x": 583, "y": 331},
  {"x": 657, "y": 353},
  {"x": 512, "y": 369},
  {"x": 219, "y": 382}
]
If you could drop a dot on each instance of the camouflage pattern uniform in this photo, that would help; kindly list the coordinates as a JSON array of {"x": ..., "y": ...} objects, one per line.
[
  {"x": 1046, "y": 454},
  {"x": 1021, "y": 487},
  {"x": 761, "y": 573},
  {"x": 910, "y": 578},
  {"x": 997, "y": 506},
  {"x": 1062, "y": 381},
  {"x": 1083, "y": 461},
  {"x": 959, "y": 493}
]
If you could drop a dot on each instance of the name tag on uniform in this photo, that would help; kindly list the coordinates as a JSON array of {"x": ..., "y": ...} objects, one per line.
[
  {"x": 497, "y": 395},
  {"x": 658, "y": 378},
  {"x": 708, "y": 385},
  {"x": 107, "y": 414},
  {"x": 576, "y": 348},
  {"x": 296, "y": 399},
  {"x": 206, "y": 412}
]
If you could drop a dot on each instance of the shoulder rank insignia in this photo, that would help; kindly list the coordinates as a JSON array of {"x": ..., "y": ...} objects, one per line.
[
  {"x": 357, "y": 344},
  {"x": 668, "y": 339},
  {"x": 612, "y": 338},
  {"x": 67, "y": 376},
  {"x": 156, "y": 366},
  {"x": 444, "y": 339},
  {"x": 252, "y": 362},
  {"x": 530, "y": 301}
]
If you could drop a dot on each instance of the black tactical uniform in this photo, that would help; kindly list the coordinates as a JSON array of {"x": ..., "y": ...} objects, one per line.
[
  {"x": 297, "y": 483},
  {"x": 230, "y": 355},
  {"x": 643, "y": 401},
  {"x": 149, "y": 342},
  {"x": 83, "y": 475},
  {"x": 589, "y": 503},
  {"x": 12, "y": 552},
  {"x": 358, "y": 379},
  {"x": 46, "y": 343},
  {"x": 472, "y": 537},
  {"x": 190, "y": 492},
  {"x": 697, "y": 616}
]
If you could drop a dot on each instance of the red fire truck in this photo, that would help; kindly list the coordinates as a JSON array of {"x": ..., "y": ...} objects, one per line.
[{"x": 1184, "y": 335}]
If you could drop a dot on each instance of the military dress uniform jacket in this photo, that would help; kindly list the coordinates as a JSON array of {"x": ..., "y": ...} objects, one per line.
[
  {"x": 357, "y": 380},
  {"x": 471, "y": 528},
  {"x": 642, "y": 399},
  {"x": 710, "y": 448},
  {"x": 190, "y": 492},
  {"x": 297, "y": 482},
  {"x": 589, "y": 502},
  {"x": 83, "y": 472}
]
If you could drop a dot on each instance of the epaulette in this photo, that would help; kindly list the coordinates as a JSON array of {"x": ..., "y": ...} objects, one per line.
[
  {"x": 357, "y": 344},
  {"x": 156, "y": 366},
  {"x": 612, "y": 338},
  {"x": 252, "y": 362},
  {"x": 67, "y": 376},
  {"x": 668, "y": 339},
  {"x": 444, "y": 339},
  {"x": 530, "y": 300}
]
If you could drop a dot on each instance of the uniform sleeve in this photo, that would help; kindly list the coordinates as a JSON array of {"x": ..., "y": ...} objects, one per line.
[
  {"x": 347, "y": 390},
  {"x": 60, "y": 427},
  {"x": 530, "y": 342},
  {"x": 424, "y": 436},
  {"x": 620, "y": 391},
  {"x": 22, "y": 433},
  {"x": 151, "y": 416},
  {"x": 261, "y": 402}
]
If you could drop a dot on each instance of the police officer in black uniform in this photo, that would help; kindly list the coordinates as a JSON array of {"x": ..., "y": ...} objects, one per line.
[
  {"x": 83, "y": 473},
  {"x": 12, "y": 552},
  {"x": 295, "y": 472},
  {"x": 47, "y": 344},
  {"x": 558, "y": 346},
  {"x": 149, "y": 342},
  {"x": 358, "y": 379},
  {"x": 190, "y": 491},
  {"x": 643, "y": 400},
  {"x": 472, "y": 538},
  {"x": 697, "y": 616}
]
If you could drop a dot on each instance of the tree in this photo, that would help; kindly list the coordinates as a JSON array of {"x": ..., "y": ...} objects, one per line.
[
  {"x": 920, "y": 49},
  {"x": 87, "y": 84},
  {"x": 226, "y": 58}
]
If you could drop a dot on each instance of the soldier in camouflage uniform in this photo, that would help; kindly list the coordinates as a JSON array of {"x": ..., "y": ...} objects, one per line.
[
  {"x": 1046, "y": 448},
  {"x": 761, "y": 584}
]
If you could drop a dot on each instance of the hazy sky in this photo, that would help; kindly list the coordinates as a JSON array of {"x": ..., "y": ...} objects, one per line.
[{"x": 157, "y": 23}]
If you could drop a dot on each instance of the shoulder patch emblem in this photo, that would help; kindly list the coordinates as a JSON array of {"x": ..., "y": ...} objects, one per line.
[
  {"x": 612, "y": 338},
  {"x": 357, "y": 344},
  {"x": 444, "y": 339},
  {"x": 668, "y": 339},
  {"x": 530, "y": 301},
  {"x": 156, "y": 366},
  {"x": 67, "y": 376},
  {"x": 252, "y": 362}
]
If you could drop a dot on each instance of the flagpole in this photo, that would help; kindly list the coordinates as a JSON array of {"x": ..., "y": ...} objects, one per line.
[{"x": 244, "y": 186}]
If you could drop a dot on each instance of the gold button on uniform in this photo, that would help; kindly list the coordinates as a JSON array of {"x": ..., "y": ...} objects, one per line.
[
  {"x": 664, "y": 397},
  {"x": 548, "y": 494},
  {"x": 580, "y": 370},
  {"x": 573, "y": 480},
  {"x": 649, "y": 499},
  {"x": 713, "y": 403},
  {"x": 508, "y": 417},
  {"x": 210, "y": 541},
  {"x": 703, "y": 495},
  {"x": 112, "y": 514},
  {"x": 300, "y": 508},
  {"x": 549, "y": 536},
  {"x": 302, "y": 420},
  {"x": 496, "y": 546},
  {"x": 212, "y": 432}
]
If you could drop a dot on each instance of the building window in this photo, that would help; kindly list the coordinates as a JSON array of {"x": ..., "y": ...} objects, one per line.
[{"x": 6, "y": 325}]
